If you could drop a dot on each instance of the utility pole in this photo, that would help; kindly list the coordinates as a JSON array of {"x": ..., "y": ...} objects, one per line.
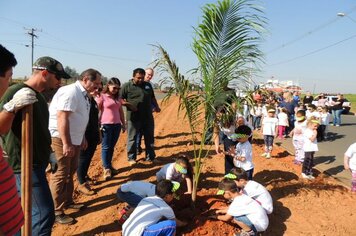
[{"x": 31, "y": 32}]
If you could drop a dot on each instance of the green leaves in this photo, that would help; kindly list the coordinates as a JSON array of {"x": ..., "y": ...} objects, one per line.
[{"x": 226, "y": 45}]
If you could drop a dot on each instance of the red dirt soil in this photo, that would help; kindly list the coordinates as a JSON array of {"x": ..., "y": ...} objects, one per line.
[{"x": 301, "y": 207}]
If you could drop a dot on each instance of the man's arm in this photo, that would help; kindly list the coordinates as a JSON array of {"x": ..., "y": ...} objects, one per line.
[
  {"x": 155, "y": 104},
  {"x": 64, "y": 132},
  {"x": 6, "y": 119}
]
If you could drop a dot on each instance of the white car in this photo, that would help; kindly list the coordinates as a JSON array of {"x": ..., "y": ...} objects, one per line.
[{"x": 346, "y": 105}]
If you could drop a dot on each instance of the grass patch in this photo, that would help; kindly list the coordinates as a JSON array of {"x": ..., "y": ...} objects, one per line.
[{"x": 352, "y": 99}]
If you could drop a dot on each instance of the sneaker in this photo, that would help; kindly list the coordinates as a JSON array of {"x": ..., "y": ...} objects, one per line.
[
  {"x": 311, "y": 177},
  {"x": 76, "y": 206},
  {"x": 107, "y": 174},
  {"x": 114, "y": 171},
  {"x": 90, "y": 181},
  {"x": 268, "y": 156},
  {"x": 64, "y": 219},
  {"x": 123, "y": 218},
  {"x": 297, "y": 162},
  {"x": 244, "y": 233},
  {"x": 151, "y": 161},
  {"x": 85, "y": 189},
  {"x": 337, "y": 125},
  {"x": 132, "y": 162},
  {"x": 305, "y": 176},
  {"x": 264, "y": 154}
]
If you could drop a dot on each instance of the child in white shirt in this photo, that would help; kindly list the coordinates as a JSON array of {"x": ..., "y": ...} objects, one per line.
[
  {"x": 282, "y": 122},
  {"x": 178, "y": 171},
  {"x": 154, "y": 214},
  {"x": 256, "y": 114},
  {"x": 269, "y": 131},
  {"x": 132, "y": 193},
  {"x": 310, "y": 146},
  {"x": 324, "y": 124},
  {"x": 243, "y": 151},
  {"x": 298, "y": 139},
  {"x": 251, "y": 188},
  {"x": 244, "y": 211},
  {"x": 350, "y": 164}
]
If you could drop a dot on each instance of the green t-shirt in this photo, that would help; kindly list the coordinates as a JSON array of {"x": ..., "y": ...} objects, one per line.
[
  {"x": 139, "y": 96},
  {"x": 41, "y": 136}
]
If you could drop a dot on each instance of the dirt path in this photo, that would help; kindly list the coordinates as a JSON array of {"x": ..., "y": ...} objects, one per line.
[{"x": 321, "y": 207}]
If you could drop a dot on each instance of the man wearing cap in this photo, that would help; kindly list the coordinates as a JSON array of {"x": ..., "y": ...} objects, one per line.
[
  {"x": 47, "y": 73},
  {"x": 69, "y": 115}
]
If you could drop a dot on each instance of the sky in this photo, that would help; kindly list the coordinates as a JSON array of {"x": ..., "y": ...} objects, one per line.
[{"x": 305, "y": 40}]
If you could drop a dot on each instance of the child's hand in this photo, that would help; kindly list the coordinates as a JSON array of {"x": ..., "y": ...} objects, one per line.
[
  {"x": 231, "y": 151},
  {"x": 217, "y": 212},
  {"x": 213, "y": 217}
]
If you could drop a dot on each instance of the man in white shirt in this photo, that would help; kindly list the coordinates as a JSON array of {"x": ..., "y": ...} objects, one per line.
[{"x": 69, "y": 115}]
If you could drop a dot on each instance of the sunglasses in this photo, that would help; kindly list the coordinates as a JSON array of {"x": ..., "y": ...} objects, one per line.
[
  {"x": 57, "y": 76},
  {"x": 116, "y": 88}
]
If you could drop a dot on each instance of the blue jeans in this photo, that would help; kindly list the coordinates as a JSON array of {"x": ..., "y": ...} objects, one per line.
[
  {"x": 246, "y": 221},
  {"x": 162, "y": 228},
  {"x": 146, "y": 128},
  {"x": 132, "y": 199},
  {"x": 42, "y": 203},
  {"x": 256, "y": 122},
  {"x": 111, "y": 133},
  {"x": 336, "y": 116}
]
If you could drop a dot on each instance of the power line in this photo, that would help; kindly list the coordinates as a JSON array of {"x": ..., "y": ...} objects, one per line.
[
  {"x": 315, "y": 51},
  {"x": 310, "y": 32},
  {"x": 92, "y": 54}
]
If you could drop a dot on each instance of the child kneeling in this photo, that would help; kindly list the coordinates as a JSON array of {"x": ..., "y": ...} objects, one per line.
[
  {"x": 251, "y": 188},
  {"x": 132, "y": 193},
  {"x": 244, "y": 211},
  {"x": 178, "y": 171},
  {"x": 146, "y": 219}
]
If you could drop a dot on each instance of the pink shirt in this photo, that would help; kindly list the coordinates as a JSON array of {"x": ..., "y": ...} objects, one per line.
[{"x": 110, "y": 109}]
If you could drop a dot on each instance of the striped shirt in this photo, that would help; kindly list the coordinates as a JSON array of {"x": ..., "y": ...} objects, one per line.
[{"x": 11, "y": 215}]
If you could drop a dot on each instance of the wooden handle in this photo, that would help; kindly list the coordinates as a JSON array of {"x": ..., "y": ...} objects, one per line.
[{"x": 26, "y": 169}]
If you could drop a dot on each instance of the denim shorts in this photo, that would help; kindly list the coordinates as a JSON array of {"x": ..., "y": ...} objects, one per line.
[{"x": 246, "y": 221}]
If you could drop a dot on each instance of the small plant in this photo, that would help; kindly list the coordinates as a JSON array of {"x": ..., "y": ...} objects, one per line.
[{"x": 226, "y": 43}]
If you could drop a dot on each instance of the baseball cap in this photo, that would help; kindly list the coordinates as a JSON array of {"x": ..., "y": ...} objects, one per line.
[{"x": 52, "y": 65}]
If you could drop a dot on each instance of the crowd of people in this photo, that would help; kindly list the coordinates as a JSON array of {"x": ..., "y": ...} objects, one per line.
[
  {"x": 66, "y": 132},
  {"x": 84, "y": 114}
]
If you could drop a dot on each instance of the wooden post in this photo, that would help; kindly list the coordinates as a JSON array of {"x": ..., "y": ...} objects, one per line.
[{"x": 26, "y": 169}]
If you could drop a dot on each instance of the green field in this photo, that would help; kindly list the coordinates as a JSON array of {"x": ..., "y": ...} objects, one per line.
[{"x": 352, "y": 99}]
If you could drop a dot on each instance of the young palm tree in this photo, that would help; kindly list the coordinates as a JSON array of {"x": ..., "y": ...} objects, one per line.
[{"x": 226, "y": 43}]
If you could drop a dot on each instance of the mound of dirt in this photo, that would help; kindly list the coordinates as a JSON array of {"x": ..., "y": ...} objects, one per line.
[{"x": 320, "y": 207}]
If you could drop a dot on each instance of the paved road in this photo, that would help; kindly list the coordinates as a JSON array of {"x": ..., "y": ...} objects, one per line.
[{"x": 330, "y": 157}]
